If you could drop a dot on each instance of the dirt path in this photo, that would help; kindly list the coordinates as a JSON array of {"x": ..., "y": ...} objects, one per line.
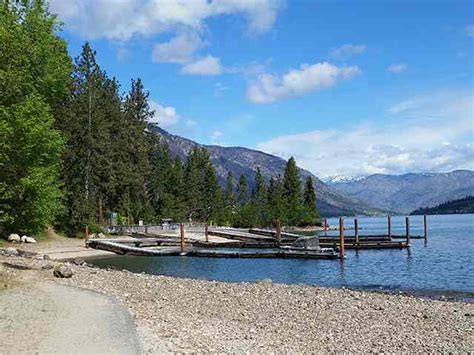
[{"x": 51, "y": 318}]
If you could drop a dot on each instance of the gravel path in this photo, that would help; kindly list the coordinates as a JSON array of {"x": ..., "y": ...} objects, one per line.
[
  {"x": 45, "y": 317},
  {"x": 184, "y": 315}
]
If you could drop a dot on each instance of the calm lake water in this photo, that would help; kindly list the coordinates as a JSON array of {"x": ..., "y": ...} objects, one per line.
[{"x": 443, "y": 265}]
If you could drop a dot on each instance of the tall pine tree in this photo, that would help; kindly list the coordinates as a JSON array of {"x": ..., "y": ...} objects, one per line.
[{"x": 292, "y": 192}]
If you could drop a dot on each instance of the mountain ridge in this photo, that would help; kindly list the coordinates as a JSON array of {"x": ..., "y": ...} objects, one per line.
[
  {"x": 407, "y": 192},
  {"x": 242, "y": 160}
]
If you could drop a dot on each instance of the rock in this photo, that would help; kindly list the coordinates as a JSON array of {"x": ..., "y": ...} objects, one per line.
[
  {"x": 92, "y": 236},
  {"x": 30, "y": 240},
  {"x": 79, "y": 261},
  {"x": 100, "y": 235},
  {"x": 23, "y": 238},
  {"x": 10, "y": 251},
  {"x": 46, "y": 257},
  {"x": 62, "y": 271},
  {"x": 14, "y": 238}
]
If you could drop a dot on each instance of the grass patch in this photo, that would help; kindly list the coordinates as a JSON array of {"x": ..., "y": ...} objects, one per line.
[{"x": 2, "y": 242}]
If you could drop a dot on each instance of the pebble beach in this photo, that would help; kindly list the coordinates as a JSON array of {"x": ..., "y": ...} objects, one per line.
[{"x": 188, "y": 315}]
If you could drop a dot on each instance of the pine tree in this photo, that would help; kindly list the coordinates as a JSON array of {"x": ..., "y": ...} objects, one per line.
[
  {"x": 311, "y": 215},
  {"x": 92, "y": 111},
  {"x": 229, "y": 199},
  {"x": 259, "y": 198},
  {"x": 292, "y": 194},
  {"x": 242, "y": 194},
  {"x": 275, "y": 201},
  {"x": 137, "y": 113}
]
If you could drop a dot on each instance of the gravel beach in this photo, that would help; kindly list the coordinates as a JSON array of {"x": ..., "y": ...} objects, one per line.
[{"x": 184, "y": 315}]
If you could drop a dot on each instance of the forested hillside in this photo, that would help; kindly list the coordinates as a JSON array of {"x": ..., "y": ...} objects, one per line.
[
  {"x": 74, "y": 148},
  {"x": 460, "y": 206}
]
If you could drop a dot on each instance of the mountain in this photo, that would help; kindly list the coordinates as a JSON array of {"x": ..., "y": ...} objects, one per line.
[
  {"x": 405, "y": 193},
  {"x": 245, "y": 161},
  {"x": 463, "y": 205}
]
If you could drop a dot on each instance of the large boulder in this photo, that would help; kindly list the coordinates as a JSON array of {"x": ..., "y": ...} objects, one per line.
[
  {"x": 30, "y": 240},
  {"x": 14, "y": 238},
  {"x": 10, "y": 251},
  {"x": 310, "y": 243},
  {"x": 62, "y": 271}
]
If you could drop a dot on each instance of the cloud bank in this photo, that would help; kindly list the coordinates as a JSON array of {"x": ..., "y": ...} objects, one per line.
[
  {"x": 434, "y": 133},
  {"x": 267, "y": 88}
]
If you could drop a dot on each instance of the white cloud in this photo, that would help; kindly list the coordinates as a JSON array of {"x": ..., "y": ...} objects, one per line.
[
  {"x": 469, "y": 30},
  {"x": 121, "y": 20},
  {"x": 165, "y": 116},
  {"x": 347, "y": 50},
  {"x": 206, "y": 66},
  {"x": 397, "y": 68},
  {"x": 180, "y": 49},
  {"x": 433, "y": 134},
  {"x": 297, "y": 82}
]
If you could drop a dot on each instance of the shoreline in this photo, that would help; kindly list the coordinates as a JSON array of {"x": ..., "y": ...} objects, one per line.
[
  {"x": 189, "y": 315},
  {"x": 429, "y": 294}
]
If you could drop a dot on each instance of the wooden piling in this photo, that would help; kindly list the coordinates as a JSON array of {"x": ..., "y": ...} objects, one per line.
[
  {"x": 87, "y": 236},
  {"x": 325, "y": 227},
  {"x": 278, "y": 231},
  {"x": 425, "y": 227},
  {"x": 206, "y": 232},
  {"x": 181, "y": 230},
  {"x": 356, "y": 230},
  {"x": 341, "y": 237},
  {"x": 389, "y": 225},
  {"x": 407, "y": 229}
]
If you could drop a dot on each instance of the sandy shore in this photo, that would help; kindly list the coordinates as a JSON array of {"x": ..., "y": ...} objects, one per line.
[{"x": 183, "y": 315}]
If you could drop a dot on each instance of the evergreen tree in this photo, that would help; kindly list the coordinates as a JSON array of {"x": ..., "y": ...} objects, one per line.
[
  {"x": 259, "y": 198},
  {"x": 242, "y": 195},
  {"x": 87, "y": 121},
  {"x": 311, "y": 215},
  {"x": 275, "y": 201},
  {"x": 292, "y": 192},
  {"x": 34, "y": 72},
  {"x": 229, "y": 199},
  {"x": 137, "y": 113}
]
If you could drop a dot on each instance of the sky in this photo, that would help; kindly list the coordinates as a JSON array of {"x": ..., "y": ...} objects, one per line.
[{"x": 349, "y": 88}]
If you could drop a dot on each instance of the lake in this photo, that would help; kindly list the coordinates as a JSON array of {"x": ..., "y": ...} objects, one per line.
[{"x": 441, "y": 266}]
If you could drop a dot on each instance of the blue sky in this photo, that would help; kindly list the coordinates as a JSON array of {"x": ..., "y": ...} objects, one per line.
[{"x": 347, "y": 87}]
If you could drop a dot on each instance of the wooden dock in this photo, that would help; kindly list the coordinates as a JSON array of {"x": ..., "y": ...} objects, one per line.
[{"x": 124, "y": 248}]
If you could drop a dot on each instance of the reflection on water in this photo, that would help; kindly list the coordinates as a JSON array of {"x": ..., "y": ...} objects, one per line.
[{"x": 444, "y": 263}]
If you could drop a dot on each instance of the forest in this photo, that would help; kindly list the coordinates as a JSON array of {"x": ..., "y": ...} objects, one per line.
[
  {"x": 459, "y": 206},
  {"x": 74, "y": 148}
]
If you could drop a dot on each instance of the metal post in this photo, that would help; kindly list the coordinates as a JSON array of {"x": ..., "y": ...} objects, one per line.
[
  {"x": 407, "y": 228},
  {"x": 146, "y": 229},
  {"x": 425, "y": 226},
  {"x": 206, "y": 232},
  {"x": 341, "y": 237},
  {"x": 278, "y": 231},
  {"x": 356, "y": 230},
  {"x": 181, "y": 229},
  {"x": 389, "y": 223}
]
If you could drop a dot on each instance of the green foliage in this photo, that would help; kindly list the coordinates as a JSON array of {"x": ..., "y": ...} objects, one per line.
[
  {"x": 34, "y": 78},
  {"x": 29, "y": 166},
  {"x": 292, "y": 193},
  {"x": 69, "y": 123},
  {"x": 311, "y": 216}
]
